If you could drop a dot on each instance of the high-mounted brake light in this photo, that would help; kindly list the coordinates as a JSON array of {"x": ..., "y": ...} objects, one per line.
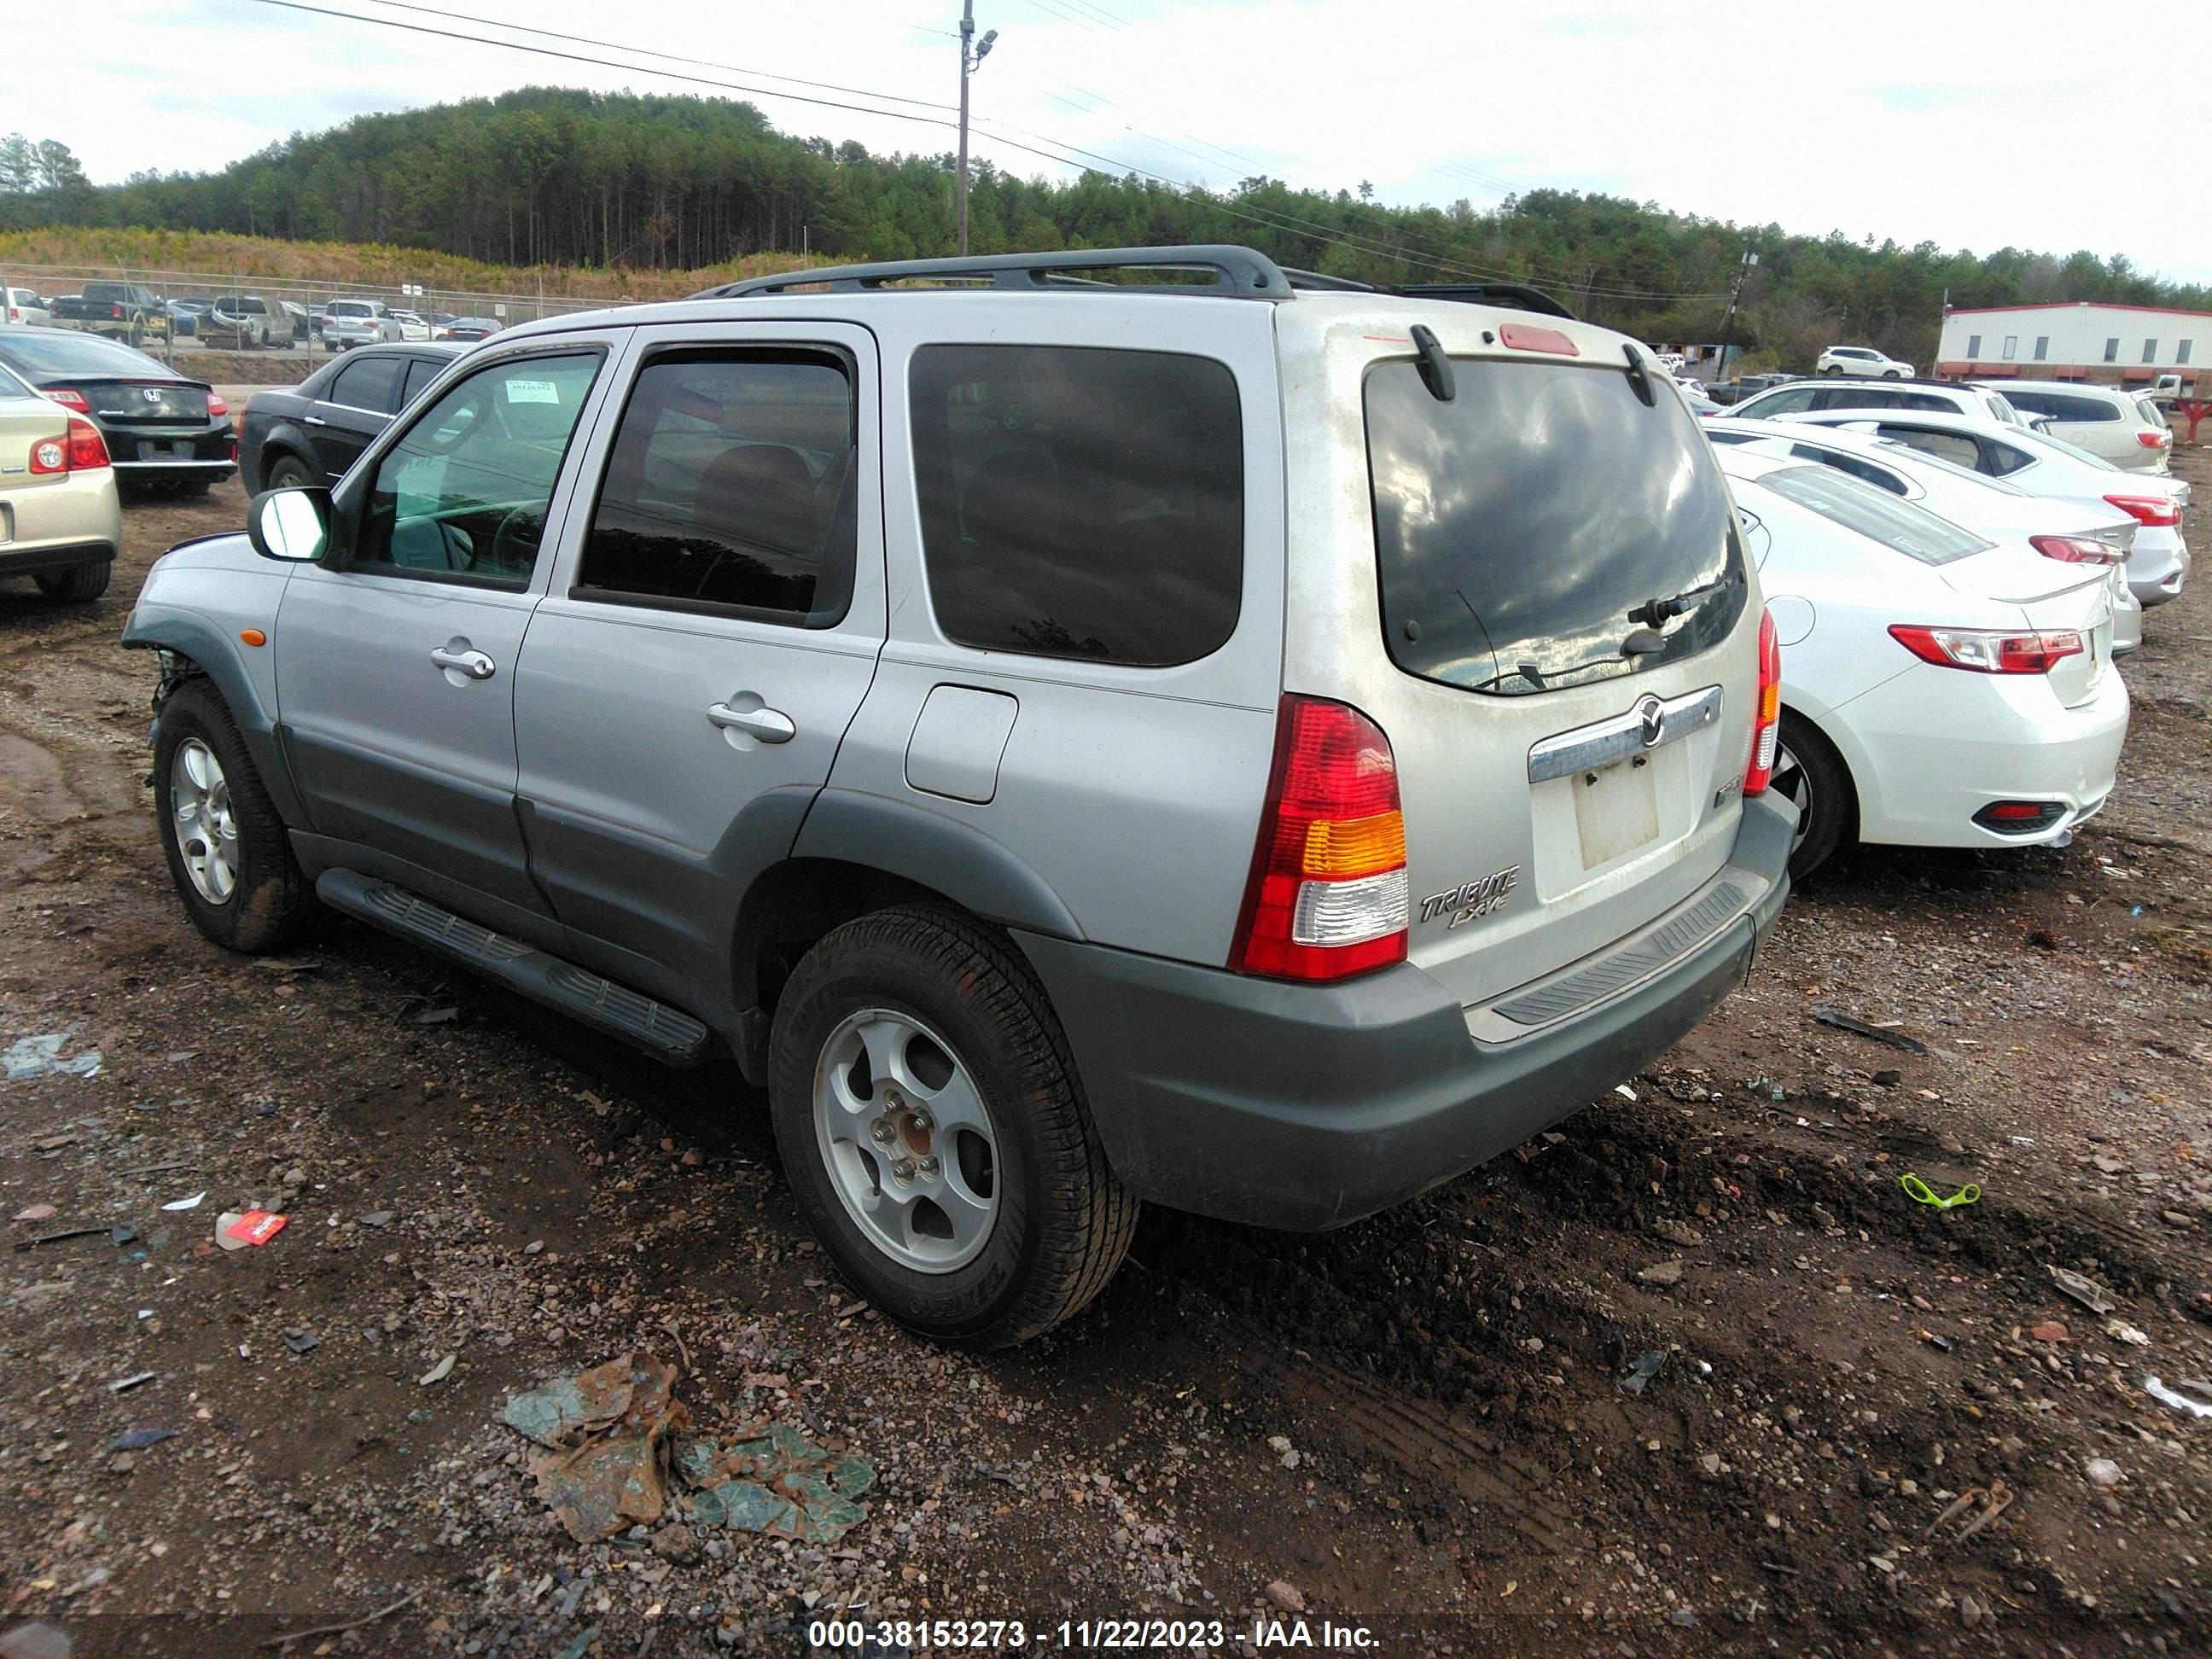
[
  {"x": 1766, "y": 721},
  {"x": 2156, "y": 511},
  {"x": 1989, "y": 650},
  {"x": 69, "y": 397},
  {"x": 1328, "y": 895},
  {"x": 2074, "y": 550},
  {"x": 1533, "y": 337}
]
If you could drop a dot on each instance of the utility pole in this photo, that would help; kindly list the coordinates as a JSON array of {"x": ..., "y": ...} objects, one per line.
[
  {"x": 1735, "y": 292},
  {"x": 970, "y": 57}
]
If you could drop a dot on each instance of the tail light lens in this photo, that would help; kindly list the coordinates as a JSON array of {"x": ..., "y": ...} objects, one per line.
[
  {"x": 2157, "y": 512},
  {"x": 1767, "y": 723},
  {"x": 1328, "y": 895},
  {"x": 2073, "y": 550},
  {"x": 69, "y": 398},
  {"x": 117, "y": 310},
  {"x": 2153, "y": 440},
  {"x": 80, "y": 450},
  {"x": 1989, "y": 650},
  {"x": 216, "y": 407}
]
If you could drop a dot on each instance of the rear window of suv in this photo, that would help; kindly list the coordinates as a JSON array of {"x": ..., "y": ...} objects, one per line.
[
  {"x": 1516, "y": 526},
  {"x": 1080, "y": 501}
]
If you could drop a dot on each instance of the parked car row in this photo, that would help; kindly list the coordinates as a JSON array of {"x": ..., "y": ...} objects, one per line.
[{"x": 160, "y": 429}]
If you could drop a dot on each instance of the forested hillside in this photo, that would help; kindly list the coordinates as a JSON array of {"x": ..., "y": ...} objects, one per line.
[{"x": 550, "y": 178}]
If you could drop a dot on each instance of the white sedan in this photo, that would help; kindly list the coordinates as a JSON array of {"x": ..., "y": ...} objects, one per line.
[
  {"x": 2045, "y": 466},
  {"x": 2076, "y": 532},
  {"x": 411, "y": 327},
  {"x": 1940, "y": 688}
]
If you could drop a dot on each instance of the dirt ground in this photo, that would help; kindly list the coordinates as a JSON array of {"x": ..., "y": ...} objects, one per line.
[{"x": 1874, "y": 1429}]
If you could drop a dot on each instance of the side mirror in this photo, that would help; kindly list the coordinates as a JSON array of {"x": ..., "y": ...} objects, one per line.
[{"x": 291, "y": 525}]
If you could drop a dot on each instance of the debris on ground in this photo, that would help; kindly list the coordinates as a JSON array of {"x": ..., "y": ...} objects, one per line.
[
  {"x": 191, "y": 1203},
  {"x": 39, "y": 1056},
  {"x": 139, "y": 1439},
  {"x": 439, "y": 1372},
  {"x": 1921, "y": 1192},
  {"x": 616, "y": 1437},
  {"x": 1282, "y": 1592},
  {"x": 2083, "y": 1289},
  {"x": 57, "y": 1237},
  {"x": 235, "y": 1230},
  {"x": 300, "y": 1340},
  {"x": 1646, "y": 1367},
  {"x": 125, "y": 1385},
  {"x": 1662, "y": 1273},
  {"x": 2103, "y": 1473},
  {"x": 2120, "y": 1331},
  {"x": 33, "y": 1213},
  {"x": 1857, "y": 1027},
  {"x": 2181, "y": 1402}
]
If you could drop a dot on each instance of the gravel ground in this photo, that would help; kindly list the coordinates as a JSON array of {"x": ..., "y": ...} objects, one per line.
[{"x": 1877, "y": 1426}]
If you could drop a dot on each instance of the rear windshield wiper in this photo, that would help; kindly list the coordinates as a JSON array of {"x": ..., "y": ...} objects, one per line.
[{"x": 1657, "y": 613}]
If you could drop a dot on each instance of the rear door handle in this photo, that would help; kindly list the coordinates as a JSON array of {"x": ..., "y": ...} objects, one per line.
[
  {"x": 474, "y": 663},
  {"x": 315, "y": 420},
  {"x": 768, "y": 725}
]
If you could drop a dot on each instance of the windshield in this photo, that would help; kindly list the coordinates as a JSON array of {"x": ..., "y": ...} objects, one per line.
[
  {"x": 1517, "y": 526},
  {"x": 59, "y": 351},
  {"x": 1897, "y": 524}
]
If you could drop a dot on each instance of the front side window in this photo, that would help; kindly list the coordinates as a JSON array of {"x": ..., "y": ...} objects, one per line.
[
  {"x": 732, "y": 485},
  {"x": 1518, "y": 525},
  {"x": 1856, "y": 397},
  {"x": 1791, "y": 400},
  {"x": 462, "y": 495},
  {"x": 1078, "y": 501},
  {"x": 1898, "y": 526}
]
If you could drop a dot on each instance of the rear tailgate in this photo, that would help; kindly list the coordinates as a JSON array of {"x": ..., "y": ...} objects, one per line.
[
  {"x": 1558, "y": 794},
  {"x": 2053, "y": 598}
]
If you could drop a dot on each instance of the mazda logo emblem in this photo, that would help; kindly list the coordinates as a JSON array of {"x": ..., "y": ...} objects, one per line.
[{"x": 1652, "y": 713}]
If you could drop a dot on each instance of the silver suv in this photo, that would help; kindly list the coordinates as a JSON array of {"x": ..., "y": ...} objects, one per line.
[{"x": 1077, "y": 728}]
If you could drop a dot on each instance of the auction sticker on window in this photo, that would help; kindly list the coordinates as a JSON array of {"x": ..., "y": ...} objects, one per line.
[{"x": 532, "y": 392}]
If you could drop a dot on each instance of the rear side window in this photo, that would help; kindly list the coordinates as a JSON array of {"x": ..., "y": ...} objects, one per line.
[
  {"x": 419, "y": 373},
  {"x": 733, "y": 486},
  {"x": 1082, "y": 502},
  {"x": 1855, "y": 396},
  {"x": 1795, "y": 400},
  {"x": 1518, "y": 525},
  {"x": 2003, "y": 459},
  {"x": 370, "y": 383},
  {"x": 1957, "y": 448},
  {"x": 1866, "y": 471},
  {"x": 1898, "y": 526}
]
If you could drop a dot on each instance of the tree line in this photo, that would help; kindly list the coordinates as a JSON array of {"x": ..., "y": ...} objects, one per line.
[{"x": 558, "y": 178}]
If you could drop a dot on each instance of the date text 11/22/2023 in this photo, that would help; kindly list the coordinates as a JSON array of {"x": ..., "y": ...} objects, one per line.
[{"x": 857, "y": 1636}]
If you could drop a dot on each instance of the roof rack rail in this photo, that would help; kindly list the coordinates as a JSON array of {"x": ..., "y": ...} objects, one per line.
[
  {"x": 1238, "y": 273},
  {"x": 1517, "y": 297}
]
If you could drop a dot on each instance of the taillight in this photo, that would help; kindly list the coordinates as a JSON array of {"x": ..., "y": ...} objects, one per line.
[
  {"x": 2153, "y": 440},
  {"x": 2158, "y": 512},
  {"x": 216, "y": 407},
  {"x": 69, "y": 398},
  {"x": 50, "y": 455},
  {"x": 1766, "y": 722},
  {"x": 1328, "y": 895},
  {"x": 87, "y": 451},
  {"x": 2073, "y": 550},
  {"x": 1989, "y": 650}
]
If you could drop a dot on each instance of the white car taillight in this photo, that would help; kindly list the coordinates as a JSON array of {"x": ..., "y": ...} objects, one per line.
[{"x": 1989, "y": 650}]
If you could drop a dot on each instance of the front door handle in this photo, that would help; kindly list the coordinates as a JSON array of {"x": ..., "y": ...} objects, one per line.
[
  {"x": 768, "y": 725},
  {"x": 458, "y": 656},
  {"x": 315, "y": 420}
]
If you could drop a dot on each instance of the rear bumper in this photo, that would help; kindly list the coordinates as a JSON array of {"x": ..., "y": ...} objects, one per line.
[
  {"x": 59, "y": 524},
  {"x": 2157, "y": 575},
  {"x": 58, "y": 555},
  {"x": 1304, "y": 1107}
]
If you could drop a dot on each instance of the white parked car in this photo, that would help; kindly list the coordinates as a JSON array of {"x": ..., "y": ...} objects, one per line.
[
  {"x": 2045, "y": 466},
  {"x": 2122, "y": 426},
  {"x": 350, "y": 323},
  {"x": 411, "y": 327},
  {"x": 1934, "y": 397},
  {"x": 2094, "y": 532},
  {"x": 23, "y": 308},
  {"x": 1862, "y": 360},
  {"x": 1941, "y": 688}
]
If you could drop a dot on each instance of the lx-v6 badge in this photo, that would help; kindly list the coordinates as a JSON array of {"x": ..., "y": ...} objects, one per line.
[{"x": 1471, "y": 899}]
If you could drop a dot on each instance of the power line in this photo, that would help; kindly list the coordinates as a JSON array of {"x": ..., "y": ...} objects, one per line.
[{"x": 1280, "y": 222}]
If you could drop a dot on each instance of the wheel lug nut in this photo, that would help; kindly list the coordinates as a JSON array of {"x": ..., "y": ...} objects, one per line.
[
  {"x": 882, "y": 1133},
  {"x": 903, "y": 1169},
  {"x": 927, "y": 1166}
]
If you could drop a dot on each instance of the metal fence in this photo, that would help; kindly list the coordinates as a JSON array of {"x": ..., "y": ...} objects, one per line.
[{"x": 53, "y": 281}]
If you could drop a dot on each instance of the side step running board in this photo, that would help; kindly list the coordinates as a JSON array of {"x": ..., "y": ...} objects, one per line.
[{"x": 666, "y": 1033}]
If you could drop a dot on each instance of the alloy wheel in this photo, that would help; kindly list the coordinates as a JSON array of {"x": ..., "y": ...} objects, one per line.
[{"x": 200, "y": 810}]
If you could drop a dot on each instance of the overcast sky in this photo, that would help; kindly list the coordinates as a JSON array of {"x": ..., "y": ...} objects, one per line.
[{"x": 1915, "y": 121}]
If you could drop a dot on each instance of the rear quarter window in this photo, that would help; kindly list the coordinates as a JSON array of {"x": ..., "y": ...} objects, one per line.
[
  {"x": 1518, "y": 525},
  {"x": 1898, "y": 526},
  {"x": 1079, "y": 502}
]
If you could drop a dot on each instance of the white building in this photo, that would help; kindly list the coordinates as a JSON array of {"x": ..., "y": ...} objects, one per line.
[{"x": 2079, "y": 341}]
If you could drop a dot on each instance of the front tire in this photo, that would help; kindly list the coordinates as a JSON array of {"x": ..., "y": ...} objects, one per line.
[
  {"x": 1809, "y": 770},
  {"x": 226, "y": 848},
  {"x": 935, "y": 1134},
  {"x": 78, "y": 586}
]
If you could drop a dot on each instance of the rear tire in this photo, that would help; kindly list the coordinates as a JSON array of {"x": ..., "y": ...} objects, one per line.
[
  {"x": 287, "y": 471},
  {"x": 947, "y": 998},
  {"x": 80, "y": 585},
  {"x": 249, "y": 893},
  {"x": 1809, "y": 770}
]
